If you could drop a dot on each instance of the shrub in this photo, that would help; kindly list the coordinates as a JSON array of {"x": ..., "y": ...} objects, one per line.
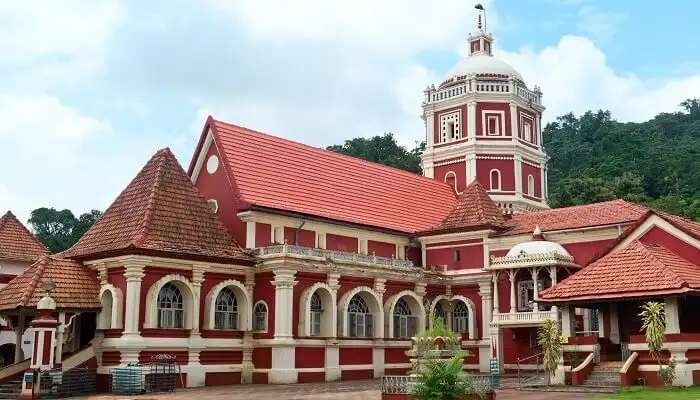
[{"x": 442, "y": 380}]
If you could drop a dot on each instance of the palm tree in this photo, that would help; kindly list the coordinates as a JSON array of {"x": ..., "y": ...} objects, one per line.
[
  {"x": 550, "y": 342},
  {"x": 654, "y": 326}
]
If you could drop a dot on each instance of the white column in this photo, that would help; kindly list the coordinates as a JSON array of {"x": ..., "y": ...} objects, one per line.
[
  {"x": 197, "y": 279},
  {"x": 19, "y": 331},
  {"x": 284, "y": 300},
  {"x": 134, "y": 274},
  {"x": 535, "y": 289},
  {"x": 514, "y": 121},
  {"x": 518, "y": 161},
  {"x": 553, "y": 278},
  {"x": 429, "y": 128},
  {"x": 379, "y": 287},
  {"x": 512, "y": 275},
  {"x": 60, "y": 329},
  {"x": 567, "y": 321},
  {"x": 495, "y": 293},
  {"x": 250, "y": 234},
  {"x": 672, "y": 318},
  {"x": 471, "y": 120},
  {"x": 332, "y": 364},
  {"x": 486, "y": 294},
  {"x": 424, "y": 256},
  {"x": 614, "y": 324},
  {"x": 333, "y": 284},
  {"x": 471, "y": 168}
]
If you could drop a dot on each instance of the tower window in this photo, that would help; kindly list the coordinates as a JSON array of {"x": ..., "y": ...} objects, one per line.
[
  {"x": 451, "y": 179},
  {"x": 492, "y": 122},
  {"x": 530, "y": 185},
  {"x": 450, "y": 126},
  {"x": 527, "y": 132},
  {"x": 456, "y": 257},
  {"x": 495, "y": 179}
]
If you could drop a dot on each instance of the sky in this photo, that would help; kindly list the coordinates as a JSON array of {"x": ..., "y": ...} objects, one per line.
[{"x": 91, "y": 89}]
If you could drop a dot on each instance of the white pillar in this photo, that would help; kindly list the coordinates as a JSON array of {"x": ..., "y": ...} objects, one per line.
[
  {"x": 429, "y": 129},
  {"x": 614, "y": 324},
  {"x": 60, "y": 329},
  {"x": 19, "y": 331},
  {"x": 567, "y": 321},
  {"x": 553, "y": 278},
  {"x": 284, "y": 301},
  {"x": 511, "y": 276},
  {"x": 485, "y": 292},
  {"x": 518, "y": 164},
  {"x": 332, "y": 364},
  {"x": 134, "y": 274},
  {"x": 471, "y": 119},
  {"x": 197, "y": 279},
  {"x": 495, "y": 294},
  {"x": 513, "y": 121},
  {"x": 250, "y": 234},
  {"x": 535, "y": 289},
  {"x": 379, "y": 287},
  {"x": 672, "y": 318}
]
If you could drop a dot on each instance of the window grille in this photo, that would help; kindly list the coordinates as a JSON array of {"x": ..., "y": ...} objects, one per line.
[
  {"x": 226, "y": 313},
  {"x": 316, "y": 312},
  {"x": 404, "y": 322},
  {"x": 260, "y": 313},
  {"x": 460, "y": 318},
  {"x": 360, "y": 320},
  {"x": 171, "y": 312}
]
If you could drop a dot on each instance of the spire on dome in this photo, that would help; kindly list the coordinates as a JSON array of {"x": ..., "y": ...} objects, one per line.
[
  {"x": 537, "y": 233},
  {"x": 481, "y": 9},
  {"x": 480, "y": 41}
]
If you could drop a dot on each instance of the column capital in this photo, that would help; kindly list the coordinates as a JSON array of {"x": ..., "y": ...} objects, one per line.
[
  {"x": 102, "y": 273},
  {"x": 198, "y": 274},
  {"x": 379, "y": 285},
  {"x": 333, "y": 280},
  {"x": 420, "y": 288}
]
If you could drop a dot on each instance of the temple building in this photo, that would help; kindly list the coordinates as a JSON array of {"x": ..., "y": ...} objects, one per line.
[{"x": 272, "y": 261}]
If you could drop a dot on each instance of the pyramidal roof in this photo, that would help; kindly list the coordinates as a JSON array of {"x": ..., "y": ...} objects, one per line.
[
  {"x": 159, "y": 213},
  {"x": 474, "y": 210},
  {"x": 16, "y": 242},
  {"x": 75, "y": 286}
]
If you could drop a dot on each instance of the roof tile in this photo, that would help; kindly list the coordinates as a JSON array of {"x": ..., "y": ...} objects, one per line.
[
  {"x": 159, "y": 211},
  {"x": 474, "y": 210},
  {"x": 16, "y": 242}
]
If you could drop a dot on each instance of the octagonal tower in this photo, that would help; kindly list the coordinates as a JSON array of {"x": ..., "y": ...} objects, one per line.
[{"x": 483, "y": 123}]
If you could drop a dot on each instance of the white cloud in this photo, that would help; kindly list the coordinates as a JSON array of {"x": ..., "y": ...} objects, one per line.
[{"x": 575, "y": 76}]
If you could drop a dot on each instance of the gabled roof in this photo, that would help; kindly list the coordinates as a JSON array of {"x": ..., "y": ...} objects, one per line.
[
  {"x": 277, "y": 174},
  {"x": 636, "y": 271},
  {"x": 76, "y": 287},
  {"x": 16, "y": 242},
  {"x": 583, "y": 216},
  {"x": 161, "y": 213},
  {"x": 474, "y": 210},
  {"x": 692, "y": 228}
]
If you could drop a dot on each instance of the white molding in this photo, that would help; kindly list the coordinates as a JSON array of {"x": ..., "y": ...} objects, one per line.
[
  {"x": 243, "y": 302},
  {"x": 656, "y": 221},
  {"x": 151, "y": 306},
  {"x": 208, "y": 139},
  {"x": 417, "y": 310},
  {"x": 115, "y": 318},
  {"x": 484, "y": 122},
  {"x": 375, "y": 306},
  {"x": 267, "y": 316},
  {"x": 329, "y": 323}
]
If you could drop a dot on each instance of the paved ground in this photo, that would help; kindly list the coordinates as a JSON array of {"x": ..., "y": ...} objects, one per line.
[{"x": 352, "y": 390}]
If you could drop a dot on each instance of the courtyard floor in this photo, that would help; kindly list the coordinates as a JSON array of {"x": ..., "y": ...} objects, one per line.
[{"x": 350, "y": 390}]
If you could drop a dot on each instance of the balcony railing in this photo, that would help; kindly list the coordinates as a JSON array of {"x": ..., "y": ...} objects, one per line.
[
  {"x": 524, "y": 318},
  {"x": 334, "y": 255}
]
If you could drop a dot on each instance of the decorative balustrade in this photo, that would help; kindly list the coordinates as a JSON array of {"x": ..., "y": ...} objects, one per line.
[
  {"x": 477, "y": 85},
  {"x": 523, "y": 318},
  {"x": 531, "y": 260},
  {"x": 334, "y": 255},
  {"x": 396, "y": 384}
]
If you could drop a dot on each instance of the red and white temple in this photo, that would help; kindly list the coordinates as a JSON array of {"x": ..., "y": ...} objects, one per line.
[{"x": 271, "y": 261}]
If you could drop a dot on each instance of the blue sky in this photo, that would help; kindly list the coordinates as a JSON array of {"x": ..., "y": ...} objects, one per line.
[{"x": 91, "y": 89}]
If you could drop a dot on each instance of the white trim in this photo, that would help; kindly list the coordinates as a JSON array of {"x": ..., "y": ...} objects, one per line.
[
  {"x": 500, "y": 182},
  {"x": 484, "y": 122},
  {"x": 656, "y": 221},
  {"x": 329, "y": 324},
  {"x": 448, "y": 173},
  {"x": 208, "y": 139},
  {"x": 417, "y": 310},
  {"x": 243, "y": 301},
  {"x": 267, "y": 316},
  {"x": 117, "y": 306},
  {"x": 185, "y": 286},
  {"x": 471, "y": 308},
  {"x": 375, "y": 306}
]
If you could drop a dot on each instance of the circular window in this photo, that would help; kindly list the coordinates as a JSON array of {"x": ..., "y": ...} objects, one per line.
[
  {"x": 212, "y": 163},
  {"x": 213, "y": 205}
]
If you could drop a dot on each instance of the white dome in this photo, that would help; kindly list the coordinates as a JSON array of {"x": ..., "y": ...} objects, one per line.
[
  {"x": 482, "y": 64},
  {"x": 537, "y": 247}
]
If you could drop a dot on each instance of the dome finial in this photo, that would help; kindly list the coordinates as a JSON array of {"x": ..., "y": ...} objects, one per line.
[
  {"x": 479, "y": 7},
  {"x": 537, "y": 233}
]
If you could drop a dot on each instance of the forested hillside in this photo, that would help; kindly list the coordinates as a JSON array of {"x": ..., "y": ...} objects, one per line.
[{"x": 595, "y": 158}]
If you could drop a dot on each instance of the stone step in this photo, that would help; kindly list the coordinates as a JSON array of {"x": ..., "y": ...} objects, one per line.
[{"x": 573, "y": 389}]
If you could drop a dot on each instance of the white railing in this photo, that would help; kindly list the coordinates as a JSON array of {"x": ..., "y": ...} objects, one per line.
[
  {"x": 479, "y": 85},
  {"x": 333, "y": 255},
  {"x": 529, "y": 317}
]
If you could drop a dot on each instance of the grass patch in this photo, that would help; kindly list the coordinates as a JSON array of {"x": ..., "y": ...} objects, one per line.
[{"x": 644, "y": 393}]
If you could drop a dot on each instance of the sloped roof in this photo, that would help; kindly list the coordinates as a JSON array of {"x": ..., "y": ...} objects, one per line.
[
  {"x": 75, "y": 285},
  {"x": 596, "y": 214},
  {"x": 474, "y": 210},
  {"x": 279, "y": 174},
  {"x": 160, "y": 212},
  {"x": 692, "y": 228},
  {"x": 16, "y": 242},
  {"x": 638, "y": 270}
]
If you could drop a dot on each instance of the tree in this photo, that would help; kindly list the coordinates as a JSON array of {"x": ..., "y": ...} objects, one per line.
[
  {"x": 654, "y": 326},
  {"x": 548, "y": 339},
  {"x": 58, "y": 230},
  {"x": 383, "y": 150},
  {"x": 443, "y": 380}
]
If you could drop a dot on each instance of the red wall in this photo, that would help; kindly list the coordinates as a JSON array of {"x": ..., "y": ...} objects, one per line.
[
  {"x": 306, "y": 237},
  {"x": 459, "y": 168},
  {"x": 470, "y": 256},
  {"x": 217, "y": 186},
  {"x": 483, "y": 171},
  {"x": 304, "y": 281},
  {"x": 355, "y": 355},
  {"x": 480, "y": 107},
  {"x": 463, "y": 124},
  {"x": 263, "y": 234},
  {"x": 151, "y": 276},
  {"x": 342, "y": 243},
  {"x": 265, "y": 291},
  {"x": 584, "y": 252},
  {"x": 381, "y": 249},
  {"x": 660, "y": 237},
  {"x": 535, "y": 172},
  {"x": 522, "y": 111}
]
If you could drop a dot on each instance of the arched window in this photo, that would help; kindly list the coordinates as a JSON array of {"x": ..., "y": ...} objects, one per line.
[
  {"x": 404, "y": 322},
  {"x": 171, "y": 312},
  {"x": 316, "y": 312},
  {"x": 451, "y": 179},
  {"x": 530, "y": 185},
  {"x": 439, "y": 312},
  {"x": 226, "y": 314},
  {"x": 460, "y": 318},
  {"x": 360, "y": 321},
  {"x": 260, "y": 317},
  {"x": 495, "y": 179},
  {"x": 105, "y": 319}
]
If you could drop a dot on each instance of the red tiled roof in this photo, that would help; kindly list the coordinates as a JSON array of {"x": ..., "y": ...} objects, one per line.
[
  {"x": 604, "y": 213},
  {"x": 474, "y": 210},
  {"x": 16, "y": 242},
  {"x": 279, "y": 174},
  {"x": 692, "y": 228},
  {"x": 638, "y": 270},
  {"x": 159, "y": 212},
  {"x": 76, "y": 287}
]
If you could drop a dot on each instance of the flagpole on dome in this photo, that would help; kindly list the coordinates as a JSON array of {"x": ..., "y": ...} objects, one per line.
[{"x": 482, "y": 10}]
